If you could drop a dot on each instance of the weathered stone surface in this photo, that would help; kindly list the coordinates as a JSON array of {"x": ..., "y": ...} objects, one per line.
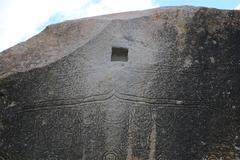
[{"x": 174, "y": 94}]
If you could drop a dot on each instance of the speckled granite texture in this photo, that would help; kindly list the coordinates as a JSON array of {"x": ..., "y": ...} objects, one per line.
[{"x": 160, "y": 84}]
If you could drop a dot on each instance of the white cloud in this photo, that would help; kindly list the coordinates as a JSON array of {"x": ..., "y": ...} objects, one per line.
[
  {"x": 20, "y": 19},
  {"x": 238, "y": 7}
]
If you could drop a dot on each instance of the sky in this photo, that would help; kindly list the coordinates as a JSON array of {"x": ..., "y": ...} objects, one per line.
[{"x": 22, "y": 19}]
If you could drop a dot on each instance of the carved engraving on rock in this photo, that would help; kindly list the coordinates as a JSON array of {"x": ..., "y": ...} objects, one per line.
[
  {"x": 212, "y": 157},
  {"x": 78, "y": 102},
  {"x": 161, "y": 157},
  {"x": 71, "y": 102},
  {"x": 164, "y": 117},
  {"x": 110, "y": 155}
]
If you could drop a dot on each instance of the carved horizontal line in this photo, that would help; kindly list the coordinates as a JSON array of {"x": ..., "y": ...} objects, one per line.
[
  {"x": 156, "y": 100},
  {"x": 100, "y": 98},
  {"x": 77, "y": 98},
  {"x": 61, "y": 106}
]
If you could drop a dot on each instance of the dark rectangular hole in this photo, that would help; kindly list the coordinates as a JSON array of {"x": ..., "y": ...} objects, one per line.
[{"x": 119, "y": 54}]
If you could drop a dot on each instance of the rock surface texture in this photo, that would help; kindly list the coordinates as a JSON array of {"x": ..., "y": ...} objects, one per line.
[{"x": 160, "y": 84}]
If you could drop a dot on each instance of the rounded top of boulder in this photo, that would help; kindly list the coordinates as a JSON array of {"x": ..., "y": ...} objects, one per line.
[{"x": 59, "y": 40}]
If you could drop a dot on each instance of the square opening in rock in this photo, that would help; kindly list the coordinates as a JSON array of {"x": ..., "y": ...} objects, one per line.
[{"x": 119, "y": 54}]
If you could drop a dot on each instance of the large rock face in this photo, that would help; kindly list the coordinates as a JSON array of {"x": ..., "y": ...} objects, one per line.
[{"x": 161, "y": 84}]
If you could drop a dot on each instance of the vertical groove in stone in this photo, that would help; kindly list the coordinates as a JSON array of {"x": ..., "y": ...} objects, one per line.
[
  {"x": 153, "y": 137},
  {"x": 130, "y": 141}
]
